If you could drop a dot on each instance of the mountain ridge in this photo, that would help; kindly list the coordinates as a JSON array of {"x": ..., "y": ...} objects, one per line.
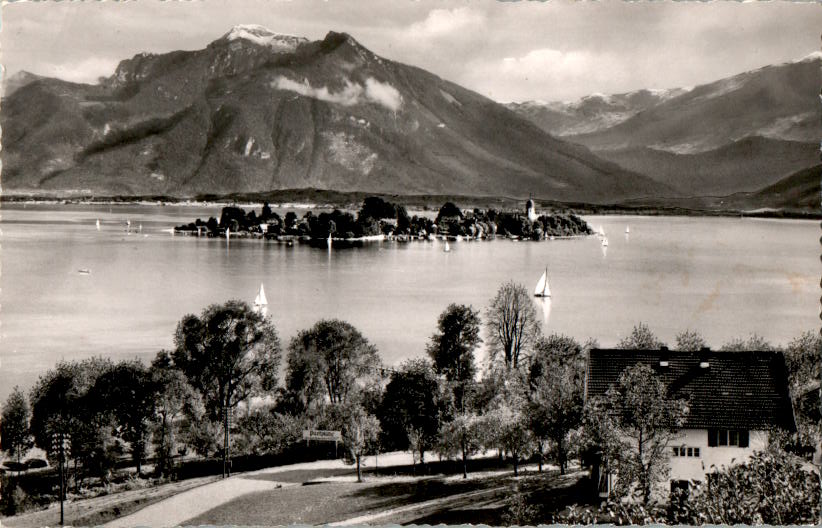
[
  {"x": 242, "y": 115},
  {"x": 732, "y": 135}
]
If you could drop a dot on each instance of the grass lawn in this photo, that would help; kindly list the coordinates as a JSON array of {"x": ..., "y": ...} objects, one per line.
[{"x": 409, "y": 499}]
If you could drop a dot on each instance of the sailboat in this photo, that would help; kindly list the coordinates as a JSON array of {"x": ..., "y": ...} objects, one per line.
[
  {"x": 447, "y": 246},
  {"x": 601, "y": 231},
  {"x": 98, "y": 224},
  {"x": 260, "y": 300},
  {"x": 604, "y": 241},
  {"x": 627, "y": 230},
  {"x": 329, "y": 240},
  {"x": 542, "y": 289}
]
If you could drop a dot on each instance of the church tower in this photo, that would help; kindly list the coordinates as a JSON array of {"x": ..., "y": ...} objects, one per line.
[{"x": 530, "y": 211}]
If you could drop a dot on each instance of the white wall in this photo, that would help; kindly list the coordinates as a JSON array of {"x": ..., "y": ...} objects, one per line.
[{"x": 711, "y": 458}]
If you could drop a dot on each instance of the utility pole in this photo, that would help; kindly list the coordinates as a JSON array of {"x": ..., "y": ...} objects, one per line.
[{"x": 60, "y": 445}]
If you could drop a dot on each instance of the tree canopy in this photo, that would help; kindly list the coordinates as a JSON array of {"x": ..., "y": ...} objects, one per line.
[
  {"x": 633, "y": 424},
  {"x": 14, "y": 425},
  {"x": 328, "y": 360},
  {"x": 512, "y": 324}
]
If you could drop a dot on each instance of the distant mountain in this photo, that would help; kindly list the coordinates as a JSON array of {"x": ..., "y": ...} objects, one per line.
[
  {"x": 733, "y": 135},
  {"x": 257, "y": 111},
  {"x": 593, "y": 112},
  {"x": 17, "y": 81}
]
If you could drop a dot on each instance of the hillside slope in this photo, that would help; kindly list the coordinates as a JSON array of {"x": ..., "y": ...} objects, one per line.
[
  {"x": 734, "y": 135},
  {"x": 257, "y": 111}
]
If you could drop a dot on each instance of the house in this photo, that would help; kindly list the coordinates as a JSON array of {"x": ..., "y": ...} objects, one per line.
[{"x": 734, "y": 399}]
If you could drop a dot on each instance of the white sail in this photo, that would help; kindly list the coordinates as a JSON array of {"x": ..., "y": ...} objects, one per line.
[
  {"x": 605, "y": 241},
  {"x": 542, "y": 289},
  {"x": 627, "y": 229},
  {"x": 447, "y": 246},
  {"x": 329, "y": 240},
  {"x": 601, "y": 231},
  {"x": 98, "y": 224},
  {"x": 260, "y": 300}
]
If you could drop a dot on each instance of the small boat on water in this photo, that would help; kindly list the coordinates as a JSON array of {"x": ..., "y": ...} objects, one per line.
[
  {"x": 604, "y": 241},
  {"x": 542, "y": 289},
  {"x": 601, "y": 231},
  {"x": 261, "y": 300},
  {"x": 627, "y": 230},
  {"x": 447, "y": 247},
  {"x": 329, "y": 241},
  {"x": 98, "y": 224},
  {"x": 84, "y": 271}
]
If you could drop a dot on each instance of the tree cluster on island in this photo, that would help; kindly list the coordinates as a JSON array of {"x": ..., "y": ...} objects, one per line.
[
  {"x": 379, "y": 217},
  {"x": 218, "y": 393}
]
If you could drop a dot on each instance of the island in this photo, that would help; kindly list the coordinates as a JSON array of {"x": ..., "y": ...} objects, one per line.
[{"x": 379, "y": 219}]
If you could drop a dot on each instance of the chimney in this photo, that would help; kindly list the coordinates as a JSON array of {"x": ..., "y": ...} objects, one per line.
[{"x": 663, "y": 357}]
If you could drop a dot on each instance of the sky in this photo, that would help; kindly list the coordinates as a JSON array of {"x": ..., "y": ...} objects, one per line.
[{"x": 506, "y": 50}]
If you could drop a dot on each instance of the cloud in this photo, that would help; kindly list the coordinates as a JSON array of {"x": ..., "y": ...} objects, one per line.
[
  {"x": 448, "y": 23},
  {"x": 547, "y": 73},
  {"x": 86, "y": 71},
  {"x": 374, "y": 91}
]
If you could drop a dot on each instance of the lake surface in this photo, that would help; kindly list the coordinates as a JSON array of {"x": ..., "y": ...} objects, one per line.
[{"x": 725, "y": 277}]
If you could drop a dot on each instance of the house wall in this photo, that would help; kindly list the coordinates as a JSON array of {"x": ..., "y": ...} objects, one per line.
[{"x": 711, "y": 458}]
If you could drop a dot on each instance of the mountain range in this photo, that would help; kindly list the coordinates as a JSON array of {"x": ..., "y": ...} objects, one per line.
[
  {"x": 257, "y": 111},
  {"x": 739, "y": 134}
]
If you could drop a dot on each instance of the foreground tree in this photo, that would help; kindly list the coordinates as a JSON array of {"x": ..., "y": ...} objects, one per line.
[
  {"x": 461, "y": 436},
  {"x": 507, "y": 423},
  {"x": 126, "y": 394},
  {"x": 412, "y": 408},
  {"x": 641, "y": 338},
  {"x": 633, "y": 424},
  {"x": 360, "y": 429},
  {"x": 512, "y": 324},
  {"x": 452, "y": 347},
  {"x": 329, "y": 360},
  {"x": 60, "y": 406},
  {"x": 229, "y": 353},
  {"x": 556, "y": 394},
  {"x": 175, "y": 399},
  {"x": 14, "y": 425}
]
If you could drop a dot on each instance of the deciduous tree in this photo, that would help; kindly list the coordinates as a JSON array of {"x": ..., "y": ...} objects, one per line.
[
  {"x": 412, "y": 407},
  {"x": 14, "y": 425},
  {"x": 512, "y": 324},
  {"x": 452, "y": 347},
  {"x": 229, "y": 353},
  {"x": 555, "y": 396},
  {"x": 330, "y": 359},
  {"x": 634, "y": 423},
  {"x": 641, "y": 338},
  {"x": 690, "y": 341}
]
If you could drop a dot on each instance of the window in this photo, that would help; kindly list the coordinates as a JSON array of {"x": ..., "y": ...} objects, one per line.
[
  {"x": 726, "y": 437},
  {"x": 683, "y": 451}
]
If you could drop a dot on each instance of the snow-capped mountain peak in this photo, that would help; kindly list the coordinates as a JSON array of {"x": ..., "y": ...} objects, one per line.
[{"x": 263, "y": 36}]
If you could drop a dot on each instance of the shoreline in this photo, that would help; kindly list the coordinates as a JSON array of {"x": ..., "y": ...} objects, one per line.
[{"x": 579, "y": 209}]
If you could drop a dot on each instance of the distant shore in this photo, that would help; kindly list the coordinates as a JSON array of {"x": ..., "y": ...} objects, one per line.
[{"x": 331, "y": 200}]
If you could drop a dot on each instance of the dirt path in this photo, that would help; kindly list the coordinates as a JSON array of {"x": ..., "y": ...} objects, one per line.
[
  {"x": 99, "y": 509},
  {"x": 187, "y": 505}
]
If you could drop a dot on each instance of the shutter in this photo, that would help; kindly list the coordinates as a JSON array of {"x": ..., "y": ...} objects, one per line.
[
  {"x": 711, "y": 437},
  {"x": 743, "y": 438}
]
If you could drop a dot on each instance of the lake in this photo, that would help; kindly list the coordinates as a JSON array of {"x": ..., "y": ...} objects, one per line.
[{"x": 725, "y": 277}]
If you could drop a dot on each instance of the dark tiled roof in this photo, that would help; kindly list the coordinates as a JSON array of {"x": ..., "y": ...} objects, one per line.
[{"x": 739, "y": 390}]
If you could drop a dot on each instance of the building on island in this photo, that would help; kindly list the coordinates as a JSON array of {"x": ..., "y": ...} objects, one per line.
[
  {"x": 734, "y": 399},
  {"x": 530, "y": 210}
]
